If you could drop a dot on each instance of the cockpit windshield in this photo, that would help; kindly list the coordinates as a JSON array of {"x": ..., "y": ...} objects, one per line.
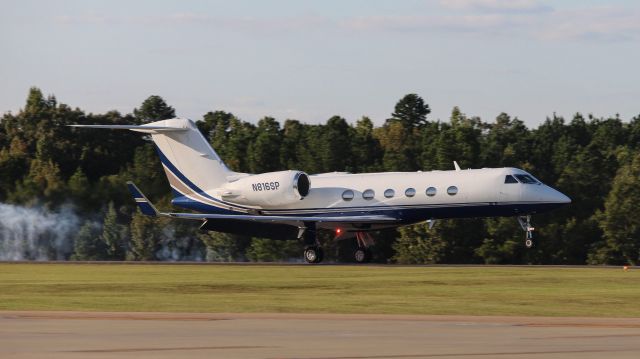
[
  {"x": 526, "y": 179},
  {"x": 510, "y": 179}
]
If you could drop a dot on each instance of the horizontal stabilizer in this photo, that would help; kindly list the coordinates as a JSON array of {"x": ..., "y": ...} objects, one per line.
[
  {"x": 145, "y": 206},
  {"x": 142, "y": 128}
]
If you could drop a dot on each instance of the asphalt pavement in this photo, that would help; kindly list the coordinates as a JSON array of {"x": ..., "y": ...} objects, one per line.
[{"x": 327, "y": 336}]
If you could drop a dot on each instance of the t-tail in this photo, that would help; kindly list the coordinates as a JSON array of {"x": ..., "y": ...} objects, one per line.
[{"x": 191, "y": 165}]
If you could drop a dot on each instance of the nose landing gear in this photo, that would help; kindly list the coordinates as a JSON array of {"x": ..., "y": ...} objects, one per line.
[{"x": 525, "y": 223}]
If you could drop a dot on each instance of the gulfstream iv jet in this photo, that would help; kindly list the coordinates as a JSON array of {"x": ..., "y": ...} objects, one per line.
[{"x": 293, "y": 204}]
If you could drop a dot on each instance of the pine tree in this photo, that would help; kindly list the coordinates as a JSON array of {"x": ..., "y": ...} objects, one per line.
[
  {"x": 79, "y": 187},
  {"x": 335, "y": 150},
  {"x": 395, "y": 142},
  {"x": 619, "y": 221},
  {"x": 292, "y": 145},
  {"x": 36, "y": 102},
  {"x": 418, "y": 244},
  {"x": 241, "y": 135},
  {"x": 42, "y": 183},
  {"x": 145, "y": 237},
  {"x": 271, "y": 250},
  {"x": 366, "y": 149},
  {"x": 264, "y": 151},
  {"x": 112, "y": 234},
  {"x": 87, "y": 244},
  {"x": 154, "y": 108},
  {"x": 411, "y": 111},
  {"x": 224, "y": 247}
]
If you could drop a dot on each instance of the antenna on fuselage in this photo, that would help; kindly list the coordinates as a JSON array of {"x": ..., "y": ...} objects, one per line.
[{"x": 457, "y": 167}]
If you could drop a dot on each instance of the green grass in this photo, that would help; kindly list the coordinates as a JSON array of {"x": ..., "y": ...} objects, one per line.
[{"x": 536, "y": 291}]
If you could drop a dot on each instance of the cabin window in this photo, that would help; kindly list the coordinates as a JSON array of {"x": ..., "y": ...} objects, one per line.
[
  {"x": 510, "y": 179},
  {"x": 452, "y": 190},
  {"x": 347, "y": 195},
  {"x": 410, "y": 192},
  {"x": 368, "y": 194},
  {"x": 389, "y": 193},
  {"x": 526, "y": 179},
  {"x": 431, "y": 191}
]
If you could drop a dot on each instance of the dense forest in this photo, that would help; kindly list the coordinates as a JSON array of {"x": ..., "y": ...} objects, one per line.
[{"x": 63, "y": 194}]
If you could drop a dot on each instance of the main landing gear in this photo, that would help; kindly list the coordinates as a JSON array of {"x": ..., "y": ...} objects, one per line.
[
  {"x": 525, "y": 223},
  {"x": 363, "y": 254},
  {"x": 313, "y": 253}
]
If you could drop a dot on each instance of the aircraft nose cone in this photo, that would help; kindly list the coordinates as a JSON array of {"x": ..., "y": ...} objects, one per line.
[
  {"x": 545, "y": 194},
  {"x": 554, "y": 196},
  {"x": 562, "y": 198}
]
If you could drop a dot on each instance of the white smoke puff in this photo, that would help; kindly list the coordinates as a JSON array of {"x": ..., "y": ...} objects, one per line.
[
  {"x": 173, "y": 248},
  {"x": 36, "y": 234}
]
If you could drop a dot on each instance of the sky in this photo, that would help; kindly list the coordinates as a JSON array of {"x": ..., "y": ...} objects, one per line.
[{"x": 310, "y": 60}]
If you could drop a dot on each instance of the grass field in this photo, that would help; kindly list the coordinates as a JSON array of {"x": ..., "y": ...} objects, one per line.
[{"x": 535, "y": 291}]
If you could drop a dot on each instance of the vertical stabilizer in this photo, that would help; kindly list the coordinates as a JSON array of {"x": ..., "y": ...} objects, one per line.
[{"x": 191, "y": 165}]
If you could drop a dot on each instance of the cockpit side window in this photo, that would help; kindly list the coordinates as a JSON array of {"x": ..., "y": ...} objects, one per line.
[
  {"x": 510, "y": 179},
  {"x": 526, "y": 179}
]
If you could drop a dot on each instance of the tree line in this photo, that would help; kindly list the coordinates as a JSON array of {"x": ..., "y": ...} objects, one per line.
[{"x": 595, "y": 161}]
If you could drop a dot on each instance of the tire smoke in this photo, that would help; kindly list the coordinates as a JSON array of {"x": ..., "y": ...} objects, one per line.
[{"x": 36, "y": 233}]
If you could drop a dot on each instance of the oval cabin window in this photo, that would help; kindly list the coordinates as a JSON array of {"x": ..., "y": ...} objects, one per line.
[
  {"x": 410, "y": 192},
  {"x": 347, "y": 195},
  {"x": 431, "y": 191},
  {"x": 368, "y": 194},
  {"x": 452, "y": 190},
  {"x": 389, "y": 193}
]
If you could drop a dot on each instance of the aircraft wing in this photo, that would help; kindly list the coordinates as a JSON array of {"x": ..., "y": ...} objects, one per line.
[
  {"x": 284, "y": 219},
  {"x": 149, "y": 209}
]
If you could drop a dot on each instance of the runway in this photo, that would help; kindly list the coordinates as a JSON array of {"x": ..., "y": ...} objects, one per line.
[{"x": 311, "y": 336}]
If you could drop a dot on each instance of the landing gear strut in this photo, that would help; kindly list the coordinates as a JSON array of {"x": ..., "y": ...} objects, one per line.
[
  {"x": 525, "y": 223},
  {"x": 313, "y": 253},
  {"x": 362, "y": 254}
]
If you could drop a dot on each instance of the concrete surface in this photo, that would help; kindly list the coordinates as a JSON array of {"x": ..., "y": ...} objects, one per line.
[{"x": 178, "y": 335}]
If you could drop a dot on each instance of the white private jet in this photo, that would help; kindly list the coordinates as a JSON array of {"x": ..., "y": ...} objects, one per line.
[{"x": 293, "y": 204}]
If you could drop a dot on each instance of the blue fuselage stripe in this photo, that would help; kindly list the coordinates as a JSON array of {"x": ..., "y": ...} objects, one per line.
[
  {"x": 179, "y": 174},
  {"x": 406, "y": 214},
  {"x": 187, "y": 182}
]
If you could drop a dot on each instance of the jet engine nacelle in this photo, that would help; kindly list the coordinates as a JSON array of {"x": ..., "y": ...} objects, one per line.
[{"x": 268, "y": 189}]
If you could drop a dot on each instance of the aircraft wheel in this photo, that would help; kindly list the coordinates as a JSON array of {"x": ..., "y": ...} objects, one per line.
[
  {"x": 528, "y": 243},
  {"x": 313, "y": 254},
  {"x": 362, "y": 255}
]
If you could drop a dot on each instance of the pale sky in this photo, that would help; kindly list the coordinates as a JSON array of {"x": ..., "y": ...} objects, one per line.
[{"x": 310, "y": 60}]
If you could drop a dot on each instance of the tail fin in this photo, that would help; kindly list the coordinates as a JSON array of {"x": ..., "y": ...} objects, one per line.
[{"x": 191, "y": 165}]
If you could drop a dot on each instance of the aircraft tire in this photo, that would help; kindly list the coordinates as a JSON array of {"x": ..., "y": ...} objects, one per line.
[
  {"x": 313, "y": 254},
  {"x": 528, "y": 243},
  {"x": 362, "y": 255}
]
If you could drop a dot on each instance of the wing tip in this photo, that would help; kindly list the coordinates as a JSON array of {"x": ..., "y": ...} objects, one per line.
[{"x": 145, "y": 206}]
